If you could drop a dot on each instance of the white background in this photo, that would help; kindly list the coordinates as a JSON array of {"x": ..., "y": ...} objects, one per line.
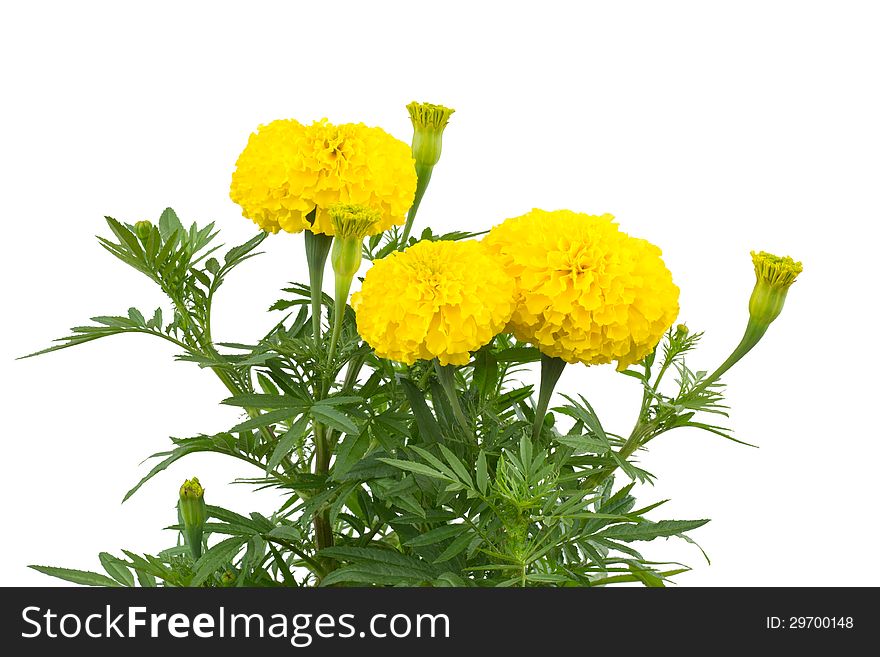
[{"x": 709, "y": 128}]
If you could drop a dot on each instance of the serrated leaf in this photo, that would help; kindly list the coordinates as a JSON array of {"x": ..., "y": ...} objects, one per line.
[
  {"x": 414, "y": 466},
  {"x": 85, "y": 577},
  {"x": 287, "y": 442},
  {"x": 169, "y": 224},
  {"x": 457, "y": 466},
  {"x": 117, "y": 569},
  {"x": 135, "y": 316},
  {"x": 265, "y": 419},
  {"x": 436, "y": 535},
  {"x": 216, "y": 557},
  {"x": 648, "y": 531},
  {"x": 205, "y": 445},
  {"x": 584, "y": 444},
  {"x": 265, "y": 401},
  {"x": 455, "y": 548},
  {"x": 333, "y": 418}
]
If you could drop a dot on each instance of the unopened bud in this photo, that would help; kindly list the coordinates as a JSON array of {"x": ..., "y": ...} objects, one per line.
[
  {"x": 143, "y": 229},
  {"x": 193, "y": 514}
]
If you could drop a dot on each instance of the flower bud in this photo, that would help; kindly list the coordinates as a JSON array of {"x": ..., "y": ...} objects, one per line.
[
  {"x": 681, "y": 331},
  {"x": 193, "y": 514},
  {"x": 351, "y": 223},
  {"x": 774, "y": 276},
  {"x": 143, "y": 229},
  {"x": 428, "y": 121}
]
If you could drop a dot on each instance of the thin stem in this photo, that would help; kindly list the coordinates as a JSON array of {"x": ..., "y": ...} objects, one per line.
[
  {"x": 551, "y": 370},
  {"x": 424, "y": 177},
  {"x": 317, "y": 250},
  {"x": 754, "y": 332}
]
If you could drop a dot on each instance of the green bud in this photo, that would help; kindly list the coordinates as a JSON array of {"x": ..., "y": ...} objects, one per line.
[
  {"x": 193, "y": 514},
  {"x": 351, "y": 223},
  {"x": 681, "y": 331},
  {"x": 428, "y": 121},
  {"x": 774, "y": 276},
  {"x": 143, "y": 229},
  {"x": 227, "y": 578}
]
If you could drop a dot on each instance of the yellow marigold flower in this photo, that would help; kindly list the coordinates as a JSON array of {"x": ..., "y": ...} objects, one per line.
[
  {"x": 586, "y": 292},
  {"x": 434, "y": 300},
  {"x": 287, "y": 170}
]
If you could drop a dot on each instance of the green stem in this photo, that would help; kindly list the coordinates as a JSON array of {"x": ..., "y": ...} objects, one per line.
[
  {"x": 446, "y": 376},
  {"x": 317, "y": 250},
  {"x": 753, "y": 334},
  {"x": 340, "y": 303},
  {"x": 423, "y": 172},
  {"x": 551, "y": 370}
]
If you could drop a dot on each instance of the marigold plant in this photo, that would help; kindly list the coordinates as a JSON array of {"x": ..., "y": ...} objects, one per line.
[{"x": 404, "y": 431}]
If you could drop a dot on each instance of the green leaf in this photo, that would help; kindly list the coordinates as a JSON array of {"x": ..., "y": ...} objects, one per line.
[
  {"x": 216, "y": 557},
  {"x": 169, "y": 224},
  {"x": 265, "y": 419},
  {"x": 117, "y": 569},
  {"x": 457, "y": 466},
  {"x": 237, "y": 254},
  {"x": 350, "y": 450},
  {"x": 428, "y": 426},
  {"x": 145, "y": 579},
  {"x": 265, "y": 401},
  {"x": 201, "y": 445},
  {"x": 287, "y": 441},
  {"x": 584, "y": 444},
  {"x": 84, "y": 577},
  {"x": 376, "y": 566},
  {"x": 156, "y": 321},
  {"x": 455, "y": 548},
  {"x": 436, "y": 535},
  {"x": 482, "y": 473},
  {"x": 135, "y": 315},
  {"x": 333, "y": 418},
  {"x": 408, "y": 501},
  {"x": 648, "y": 531},
  {"x": 418, "y": 468},
  {"x": 485, "y": 371}
]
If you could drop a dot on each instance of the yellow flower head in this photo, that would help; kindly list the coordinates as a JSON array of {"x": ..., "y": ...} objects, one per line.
[
  {"x": 586, "y": 292},
  {"x": 287, "y": 170},
  {"x": 434, "y": 300}
]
